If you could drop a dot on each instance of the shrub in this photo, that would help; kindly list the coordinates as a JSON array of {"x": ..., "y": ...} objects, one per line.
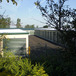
[{"x": 17, "y": 66}]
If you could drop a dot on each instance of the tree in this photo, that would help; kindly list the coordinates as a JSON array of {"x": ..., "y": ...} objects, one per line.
[
  {"x": 74, "y": 24},
  {"x": 13, "y": 1},
  {"x": 5, "y": 22},
  {"x": 36, "y": 26},
  {"x": 8, "y": 22},
  {"x": 18, "y": 23},
  {"x": 45, "y": 26},
  {"x": 55, "y": 13},
  {"x": 57, "y": 16},
  {"x": 29, "y": 26}
]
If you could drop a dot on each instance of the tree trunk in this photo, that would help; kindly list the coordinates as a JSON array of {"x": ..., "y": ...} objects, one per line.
[{"x": 59, "y": 14}]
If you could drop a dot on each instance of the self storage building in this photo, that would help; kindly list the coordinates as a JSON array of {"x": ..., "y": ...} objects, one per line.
[
  {"x": 49, "y": 34},
  {"x": 14, "y": 40}
]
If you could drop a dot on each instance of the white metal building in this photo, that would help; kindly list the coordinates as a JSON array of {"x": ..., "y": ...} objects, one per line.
[
  {"x": 49, "y": 34},
  {"x": 14, "y": 40}
]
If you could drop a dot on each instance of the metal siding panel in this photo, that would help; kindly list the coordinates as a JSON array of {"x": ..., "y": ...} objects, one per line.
[{"x": 15, "y": 45}]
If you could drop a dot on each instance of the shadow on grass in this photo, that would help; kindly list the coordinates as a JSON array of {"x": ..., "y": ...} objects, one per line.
[{"x": 56, "y": 62}]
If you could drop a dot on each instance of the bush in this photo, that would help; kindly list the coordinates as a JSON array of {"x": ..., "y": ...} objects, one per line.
[
  {"x": 16, "y": 66},
  {"x": 61, "y": 64},
  {"x": 57, "y": 62}
]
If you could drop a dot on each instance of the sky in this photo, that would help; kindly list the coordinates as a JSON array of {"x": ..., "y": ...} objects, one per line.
[{"x": 26, "y": 11}]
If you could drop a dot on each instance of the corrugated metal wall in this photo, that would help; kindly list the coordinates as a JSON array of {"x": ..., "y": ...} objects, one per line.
[
  {"x": 15, "y": 45},
  {"x": 51, "y": 35}
]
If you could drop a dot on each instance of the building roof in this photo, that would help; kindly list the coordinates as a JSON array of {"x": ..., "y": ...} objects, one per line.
[
  {"x": 27, "y": 28},
  {"x": 19, "y": 28},
  {"x": 13, "y": 31},
  {"x": 45, "y": 28}
]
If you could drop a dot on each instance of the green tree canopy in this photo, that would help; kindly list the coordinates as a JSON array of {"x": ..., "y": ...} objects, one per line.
[
  {"x": 18, "y": 24},
  {"x": 29, "y": 26},
  {"x": 45, "y": 26},
  {"x": 5, "y": 22},
  {"x": 36, "y": 26}
]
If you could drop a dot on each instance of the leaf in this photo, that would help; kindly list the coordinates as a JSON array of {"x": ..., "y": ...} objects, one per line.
[{"x": 8, "y": 1}]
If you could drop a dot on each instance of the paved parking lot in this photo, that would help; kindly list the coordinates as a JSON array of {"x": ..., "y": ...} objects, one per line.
[
  {"x": 41, "y": 48},
  {"x": 36, "y": 42}
]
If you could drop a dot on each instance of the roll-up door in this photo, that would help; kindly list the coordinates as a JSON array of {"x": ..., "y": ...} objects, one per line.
[{"x": 15, "y": 45}]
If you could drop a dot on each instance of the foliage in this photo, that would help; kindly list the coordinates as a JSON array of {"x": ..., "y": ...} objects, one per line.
[
  {"x": 45, "y": 26},
  {"x": 57, "y": 62},
  {"x": 69, "y": 36},
  {"x": 69, "y": 39},
  {"x": 13, "y": 1},
  {"x": 29, "y": 26},
  {"x": 20, "y": 67},
  {"x": 18, "y": 23},
  {"x": 57, "y": 15},
  {"x": 58, "y": 67},
  {"x": 36, "y": 26},
  {"x": 5, "y": 22},
  {"x": 74, "y": 24}
]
